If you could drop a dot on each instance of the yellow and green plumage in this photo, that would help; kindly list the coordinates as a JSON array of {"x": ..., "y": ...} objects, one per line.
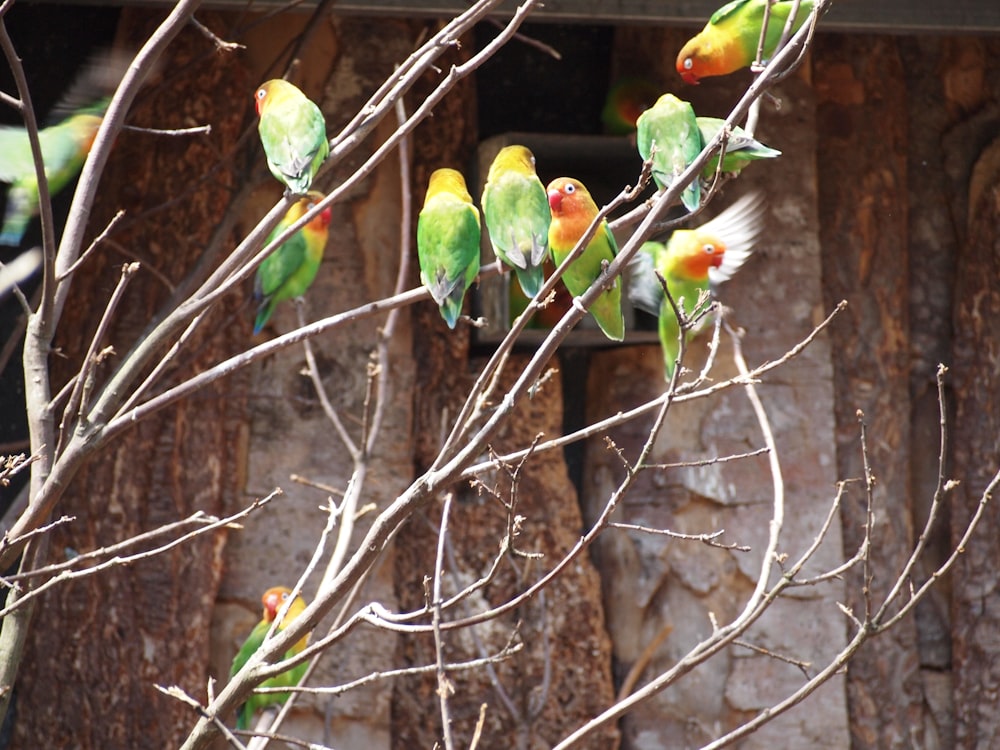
[
  {"x": 290, "y": 270},
  {"x": 693, "y": 262},
  {"x": 668, "y": 134},
  {"x": 292, "y": 132},
  {"x": 273, "y": 599},
  {"x": 448, "y": 234},
  {"x": 517, "y": 215},
  {"x": 64, "y": 150},
  {"x": 573, "y": 211},
  {"x": 65, "y": 142},
  {"x": 730, "y": 38}
]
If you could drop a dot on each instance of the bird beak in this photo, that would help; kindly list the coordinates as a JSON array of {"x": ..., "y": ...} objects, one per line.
[
  {"x": 271, "y": 604},
  {"x": 555, "y": 200}
]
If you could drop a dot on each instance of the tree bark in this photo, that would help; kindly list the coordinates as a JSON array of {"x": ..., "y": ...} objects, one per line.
[
  {"x": 100, "y": 644},
  {"x": 861, "y": 162},
  {"x": 976, "y": 606}
]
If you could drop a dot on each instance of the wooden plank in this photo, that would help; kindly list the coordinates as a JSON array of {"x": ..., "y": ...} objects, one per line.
[
  {"x": 885, "y": 16},
  {"x": 892, "y": 16}
]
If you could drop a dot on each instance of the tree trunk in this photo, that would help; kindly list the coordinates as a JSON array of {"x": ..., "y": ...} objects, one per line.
[
  {"x": 861, "y": 162},
  {"x": 976, "y": 606},
  {"x": 102, "y": 643}
]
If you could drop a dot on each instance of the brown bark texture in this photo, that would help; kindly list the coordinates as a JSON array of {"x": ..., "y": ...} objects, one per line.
[
  {"x": 975, "y": 603},
  {"x": 100, "y": 644},
  {"x": 861, "y": 163}
]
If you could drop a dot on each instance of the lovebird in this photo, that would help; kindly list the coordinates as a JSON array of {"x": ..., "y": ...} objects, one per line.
[
  {"x": 65, "y": 142},
  {"x": 517, "y": 215},
  {"x": 627, "y": 99},
  {"x": 64, "y": 150},
  {"x": 573, "y": 210},
  {"x": 730, "y": 38},
  {"x": 292, "y": 132},
  {"x": 693, "y": 261},
  {"x": 273, "y": 599},
  {"x": 741, "y": 147},
  {"x": 671, "y": 126},
  {"x": 448, "y": 233},
  {"x": 290, "y": 270}
]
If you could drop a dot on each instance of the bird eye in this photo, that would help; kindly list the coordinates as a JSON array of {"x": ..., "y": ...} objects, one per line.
[
  {"x": 284, "y": 596},
  {"x": 709, "y": 248},
  {"x": 688, "y": 63},
  {"x": 570, "y": 188},
  {"x": 261, "y": 93}
]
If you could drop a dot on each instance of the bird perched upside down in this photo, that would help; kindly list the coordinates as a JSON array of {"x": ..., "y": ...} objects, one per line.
[{"x": 730, "y": 38}]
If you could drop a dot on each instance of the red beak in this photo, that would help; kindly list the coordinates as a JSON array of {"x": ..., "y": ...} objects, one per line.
[
  {"x": 555, "y": 201},
  {"x": 271, "y": 604}
]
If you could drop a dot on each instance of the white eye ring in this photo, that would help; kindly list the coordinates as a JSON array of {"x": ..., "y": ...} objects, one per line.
[
  {"x": 261, "y": 93},
  {"x": 709, "y": 248},
  {"x": 688, "y": 63},
  {"x": 570, "y": 188},
  {"x": 284, "y": 596}
]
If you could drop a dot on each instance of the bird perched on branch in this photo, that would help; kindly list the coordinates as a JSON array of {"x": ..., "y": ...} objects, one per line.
[
  {"x": 693, "y": 262},
  {"x": 517, "y": 216},
  {"x": 667, "y": 133},
  {"x": 291, "y": 269},
  {"x": 573, "y": 211},
  {"x": 730, "y": 38},
  {"x": 448, "y": 233},
  {"x": 292, "y": 132},
  {"x": 273, "y": 599}
]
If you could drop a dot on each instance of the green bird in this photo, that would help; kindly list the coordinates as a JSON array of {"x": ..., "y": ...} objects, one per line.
[
  {"x": 448, "y": 233},
  {"x": 693, "y": 262},
  {"x": 65, "y": 141},
  {"x": 668, "y": 133},
  {"x": 64, "y": 150},
  {"x": 273, "y": 599},
  {"x": 292, "y": 132},
  {"x": 290, "y": 270},
  {"x": 517, "y": 216},
  {"x": 741, "y": 147},
  {"x": 730, "y": 38},
  {"x": 573, "y": 211}
]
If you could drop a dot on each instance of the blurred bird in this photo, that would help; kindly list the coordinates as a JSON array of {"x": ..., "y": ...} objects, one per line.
[
  {"x": 65, "y": 142},
  {"x": 627, "y": 99}
]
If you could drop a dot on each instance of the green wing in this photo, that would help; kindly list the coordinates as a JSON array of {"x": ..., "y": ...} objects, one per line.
[
  {"x": 669, "y": 133},
  {"x": 294, "y": 140},
  {"x": 607, "y": 309},
  {"x": 741, "y": 148},
  {"x": 517, "y": 216},
  {"x": 448, "y": 250},
  {"x": 743, "y": 18}
]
